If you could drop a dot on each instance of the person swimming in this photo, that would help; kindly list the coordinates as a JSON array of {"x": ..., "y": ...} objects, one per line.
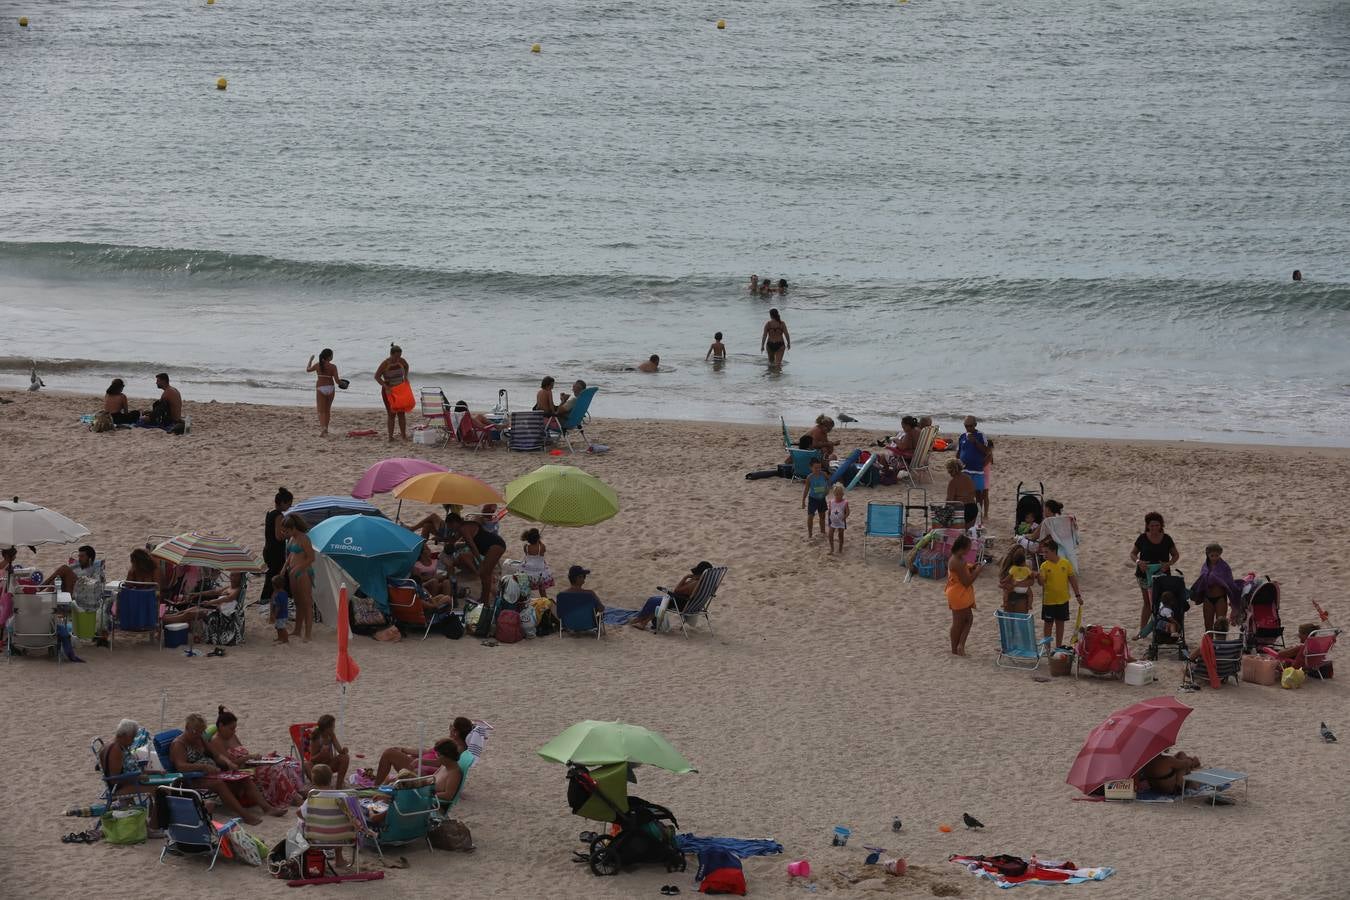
[
  {"x": 1298, "y": 275},
  {"x": 652, "y": 364}
]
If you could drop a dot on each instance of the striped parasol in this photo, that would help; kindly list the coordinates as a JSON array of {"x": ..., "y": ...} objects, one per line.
[{"x": 210, "y": 551}]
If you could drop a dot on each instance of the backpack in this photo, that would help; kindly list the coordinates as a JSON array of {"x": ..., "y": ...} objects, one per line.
[
  {"x": 452, "y": 626},
  {"x": 509, "y": 630},
  {"x": 102, "y": 422}
]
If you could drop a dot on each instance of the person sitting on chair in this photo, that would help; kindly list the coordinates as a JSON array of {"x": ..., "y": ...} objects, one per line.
[
  {"x": 449, "y": 776},
  {"x": 84, "y": 567},
  {"x": 189, "y": 752},
  {"x": 576, "y": 586},
  {"x": 113, "y": 760},
  {"x": 906, "y": 442},
  {"x": 679, "y": 595},
  {"x": 543, "y": 398},
  {"x": 395, "y": 758},
  {"x": 1296, "y": 656},
  {"x": 570, "y": 400}
]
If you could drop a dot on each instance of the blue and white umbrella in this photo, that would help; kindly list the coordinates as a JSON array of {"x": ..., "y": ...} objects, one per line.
[
  {"x": 316, "y": 509},
  {"x": 371, "y": 550}
]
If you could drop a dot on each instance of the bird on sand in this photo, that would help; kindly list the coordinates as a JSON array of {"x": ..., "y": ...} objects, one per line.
[
  {"x": 1326, "y": 734},
  {"x": 34, "y": 382},
  {"x": 844, "y": 417},
  {"x": 971, "y": 821}
]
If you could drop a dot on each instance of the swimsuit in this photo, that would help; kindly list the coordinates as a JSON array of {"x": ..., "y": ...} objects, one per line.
[
  {"x": 774, "y": 347},
  {"x": 296, "y": 548}
]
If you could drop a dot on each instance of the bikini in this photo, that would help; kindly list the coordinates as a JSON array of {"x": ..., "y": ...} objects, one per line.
[{"x": 296, "y": 548}]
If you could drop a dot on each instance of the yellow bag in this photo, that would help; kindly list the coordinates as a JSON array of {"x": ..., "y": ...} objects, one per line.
[{"x": 1292, "y": 678}]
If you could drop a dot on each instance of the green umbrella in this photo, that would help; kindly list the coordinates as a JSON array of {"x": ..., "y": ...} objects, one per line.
[
  {"x": 592, "y": 743},
  {"x": 561, "y": 495}
]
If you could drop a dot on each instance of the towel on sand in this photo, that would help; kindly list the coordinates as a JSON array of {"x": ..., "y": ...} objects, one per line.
[
  {"x": 739, "y": 847},
  {"x": 1046, "y": 871}
]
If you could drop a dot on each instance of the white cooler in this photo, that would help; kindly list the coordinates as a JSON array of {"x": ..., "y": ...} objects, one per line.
[{"x": 1140, "y": 672}]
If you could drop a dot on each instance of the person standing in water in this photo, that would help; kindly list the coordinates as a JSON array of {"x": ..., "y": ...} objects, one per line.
[
  {"x": 775, "y": 339},
  {"x": 391, "y": 373},
  {"x": 754, "y": 284},
  {"x": 325, "y": 387},
  {"x": 718, "y": 351},
  {"x": 1298, "y": 275}
]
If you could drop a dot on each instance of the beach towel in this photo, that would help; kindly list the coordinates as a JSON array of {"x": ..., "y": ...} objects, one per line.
[
  {"x": 739, "y": 847},
  {"x": 1220, "y": 575},
  {"x": 1064, "y": 531},
  {"x": 1044, "y": 871},
  {"x": 615, "y": 616}
]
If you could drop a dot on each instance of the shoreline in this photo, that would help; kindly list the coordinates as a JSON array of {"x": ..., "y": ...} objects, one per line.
[{"x": 861, "y": 431}]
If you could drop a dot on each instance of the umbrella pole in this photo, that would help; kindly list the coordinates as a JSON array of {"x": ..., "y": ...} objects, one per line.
[
  {"x": 163, "y": 702},
  {"x": 398, "y": 512},
  {"x": 342, "y": 709}
]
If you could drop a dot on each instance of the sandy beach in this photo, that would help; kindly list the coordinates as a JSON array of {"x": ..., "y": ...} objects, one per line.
[{"x": 826, "y": 697}]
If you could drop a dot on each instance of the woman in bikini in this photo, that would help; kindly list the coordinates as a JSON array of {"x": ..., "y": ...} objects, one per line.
[
  {"x": 325, "y": 386},
  {"x": 300, "y": 568},
  {"x": 391, "y": 373},
  {"x": 775, "y": 338}
]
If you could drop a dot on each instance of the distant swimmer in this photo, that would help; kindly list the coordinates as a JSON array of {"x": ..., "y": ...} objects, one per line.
[
  {"x": 718, "y": 350},
  {"x": 652, "y": 364},
  {"x": 765, "y": 285},
  {"x": 775, "y": 338},
  {"x": 754, "y": 284},
  {"x": 782, "y": 285},
  {"x": 1298, "y": 275}
]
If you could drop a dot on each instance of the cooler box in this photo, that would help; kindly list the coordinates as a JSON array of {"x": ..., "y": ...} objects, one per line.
[
  {"x": 86, "y": 624},
  {"x": 176, "y": 635},
  {"x": 1140, "y": 672},
  {"x": 1261, "y": 670}
]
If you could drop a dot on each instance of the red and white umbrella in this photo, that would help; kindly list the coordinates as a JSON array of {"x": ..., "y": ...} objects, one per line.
[{"x": 1129, "y": 738}]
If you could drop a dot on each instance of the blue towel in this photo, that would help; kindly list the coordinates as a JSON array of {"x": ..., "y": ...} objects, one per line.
[
  {"x": 615, "y": 616},
  {"x": 739, "y": 847}
]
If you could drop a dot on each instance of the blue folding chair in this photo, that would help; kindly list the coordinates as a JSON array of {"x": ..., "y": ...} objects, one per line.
[
  {"x": 575, "y": 420},
  {"x": 884, "y": 520},
  {"x": 412, "y": 804},
  {"x": 133, "y": 774},
  {"x": 163, "y": 743},
  {"x": 801, "y": 462},
  {"x": 189, "y": 829},
  {"x": 577, "y": 612},
  {"x": 1017, "y": 641}
]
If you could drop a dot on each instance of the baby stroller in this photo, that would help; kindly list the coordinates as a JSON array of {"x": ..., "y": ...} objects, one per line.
[
  {"x": 1031, "y": 502},
  {"x": 1262, "y": 627},
  {"x": 645, "y": 832},
  {"x": 1169, "y": 619}
]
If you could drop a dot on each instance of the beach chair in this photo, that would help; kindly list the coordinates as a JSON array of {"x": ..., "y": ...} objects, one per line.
[
  {"x": 699, "y": 601},
  {"x": 575, "y": 420},
  {"x": 1317, "y": 651},
  {"x": 919, "y": 463},
  {"x": 577, "y": 613},
  {"x": 885, "y": 519},
  {"x": 133, "y": 774},
  {"x": 1227, "y": 659},
  {"x": 405, "y": 604},
  {"x": 1017, "y": 648},
  {"x": 470, "y": 433},
  {"x": 299, "y": 733},
  {"x": 801, "y": 462},
  {"x": 787, "y": 439},
  {"x": 136, "y": 611},
  {"x": 225, "y": 627},
  {"x": 33, "y": 626},
  {"x": 412, "y": 804},
  {"x": 189, "y": 829},
  {"x": 435, "y": 406},
  {"x": 333, "y": 822},
  {"x": 525, "y": 431}
]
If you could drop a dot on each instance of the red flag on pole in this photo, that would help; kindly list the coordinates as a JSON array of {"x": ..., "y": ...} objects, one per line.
[{"x": 347, "y": 669}]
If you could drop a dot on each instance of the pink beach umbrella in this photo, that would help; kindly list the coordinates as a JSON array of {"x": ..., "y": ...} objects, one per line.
[
  {"x": 1129, "y": 738},
  {"x": 388, "y": 474}
]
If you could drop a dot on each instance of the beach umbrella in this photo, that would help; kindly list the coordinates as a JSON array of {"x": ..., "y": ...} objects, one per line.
[
  {"x": 347, "y": 669},
  {"x": 592, "y": 743},
  {"x": 448, "y": 489},
  {"x": 388, "y": 474},
  {"x": 561, "y": 495},
  {"x": 209, "y": 551},
  {"x": 28, "y": 525},
  {"x": 368, "y": 549},
  {"x": 317, "y": 509},
  {"x": 1129, "y": 738}
]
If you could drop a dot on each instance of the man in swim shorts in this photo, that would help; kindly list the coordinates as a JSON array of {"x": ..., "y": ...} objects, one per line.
[{"x": 973, "y": 451}]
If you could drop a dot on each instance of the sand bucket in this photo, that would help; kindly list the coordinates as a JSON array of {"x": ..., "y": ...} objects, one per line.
[
  {"x": 799, "y": 869},
  {"x": 86, "y": 624}
]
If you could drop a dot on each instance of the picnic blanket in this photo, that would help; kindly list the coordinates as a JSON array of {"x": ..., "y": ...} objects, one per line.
[
  {"x": 1045, "y": 871},
  {"x": 738, "y": 847},
  {"x": 616, "y": 616}
]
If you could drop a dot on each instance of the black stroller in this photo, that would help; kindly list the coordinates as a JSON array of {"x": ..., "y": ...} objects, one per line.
[
  {"x": 646, "y": 830},
  {"x": 1171, "y": 599}
]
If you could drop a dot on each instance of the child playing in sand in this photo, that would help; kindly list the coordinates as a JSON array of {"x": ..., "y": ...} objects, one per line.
[
  {"x": 837, "y": 508},
  {"x": 1016, "y": 579},
  {"x": 535, "y": 566},
  {"x": 1056, "y": 577},
  {"x": 960, "y": 593},
  {"x": 815, "y": 489},
  {"x": 718, "y": 350}
]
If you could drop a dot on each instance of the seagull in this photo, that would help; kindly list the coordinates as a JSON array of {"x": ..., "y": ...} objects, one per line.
[
  {"x": 971, "y": 821},
  {"x": 34, "y": 382},
  {"x": 845, "y": 418},
  {"x": 1326, "y": 734}
]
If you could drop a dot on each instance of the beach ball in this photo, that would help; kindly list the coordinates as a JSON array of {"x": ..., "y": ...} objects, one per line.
[
  {"x": 221, "y": 84},
  {"x": 535, "y": 48},
  {"x": 721, "y": 23}
]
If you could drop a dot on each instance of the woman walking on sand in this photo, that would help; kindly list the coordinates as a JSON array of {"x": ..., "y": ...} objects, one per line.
[
  {"x": 392, "y": 373},
  {"x": 775, "y": 339},
  {"x": 325, "y": 386}
]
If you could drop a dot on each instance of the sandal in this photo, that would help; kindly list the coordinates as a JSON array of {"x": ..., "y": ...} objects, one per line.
[{"x": 219, "y": 651}]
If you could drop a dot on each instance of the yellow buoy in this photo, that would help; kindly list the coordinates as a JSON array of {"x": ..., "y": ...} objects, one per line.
[
  {"x": 23, "y": 21},
  {"x": 534, "y": 48},
  {"x": 210, "y": 2},
  {"x": 221, "y": 84},
  {"x": 721, "y": 23}
]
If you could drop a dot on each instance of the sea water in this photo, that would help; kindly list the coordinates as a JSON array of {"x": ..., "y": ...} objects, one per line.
[{"x": 1069, "y": 219}]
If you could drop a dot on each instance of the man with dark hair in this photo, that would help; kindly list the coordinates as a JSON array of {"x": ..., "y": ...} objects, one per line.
[
  {"x": 167, "y": 411},
  {"x": 84, "y": 568}
]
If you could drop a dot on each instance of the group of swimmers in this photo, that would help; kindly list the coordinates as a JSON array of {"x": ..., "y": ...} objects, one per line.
[{"x": 763, "y": 285}]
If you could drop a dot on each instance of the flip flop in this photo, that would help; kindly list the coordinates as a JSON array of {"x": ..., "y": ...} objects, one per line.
[{"x": 219, "y": 651}]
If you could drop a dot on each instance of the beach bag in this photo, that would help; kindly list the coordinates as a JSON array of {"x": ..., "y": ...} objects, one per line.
[
  {"x": 719, "y": 872},
  {"x": 509, "y": 629},
  {"x": 366, "y": 617},
  {"x": 452, "y": 626},
  {"x": 528, "y": 621},
  {"x": 451, "y": 834},
  {"x": 124, "y": 826},
  {"x": 664, "y": 620},
  {"x": 1292, "y": 678},
  {"x": 102, "y": 422},
  {"x": 400, "y": 397},
  {"x": 547, "y": 624},
  {"x": 280, "y": 865}
]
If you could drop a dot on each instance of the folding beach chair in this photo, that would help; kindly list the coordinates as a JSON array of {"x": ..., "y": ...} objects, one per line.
[
  {"x": 412, "y": 804},
  {"x": 405, "y": 604},
  {"x": 300, "y": 732},
  {"x": 1227, "y": 659},
  {"x": 1017, "y": 648},
  {"x": 1317, "y": 651},
  {"x": 469, "y": 432},
  {"x": 577, "y": 612},
  {"x": 885, "y": 519},
  {"x": 225, "y": 627},
  {"x": 525, "y": 430},
  {"x": 923, "y": 451},
  {"x": 136, "y": 610},
  {"x": 189, "y": 829},
  {"x": 33, "y": 625},
  {"x": 132, "y": 774},
  {"x": 333, "y": 821},
  {"x": 575, "y": 419},
  {"x": 801, "y": 462},
  {"x": 699, "y": 601},
  {"x": 435, "y": 406}
]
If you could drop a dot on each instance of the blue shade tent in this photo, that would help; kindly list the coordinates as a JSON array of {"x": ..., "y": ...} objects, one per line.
[
  {"x": 317, "y": 509},
  {"x": 371, "y": 550}
]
